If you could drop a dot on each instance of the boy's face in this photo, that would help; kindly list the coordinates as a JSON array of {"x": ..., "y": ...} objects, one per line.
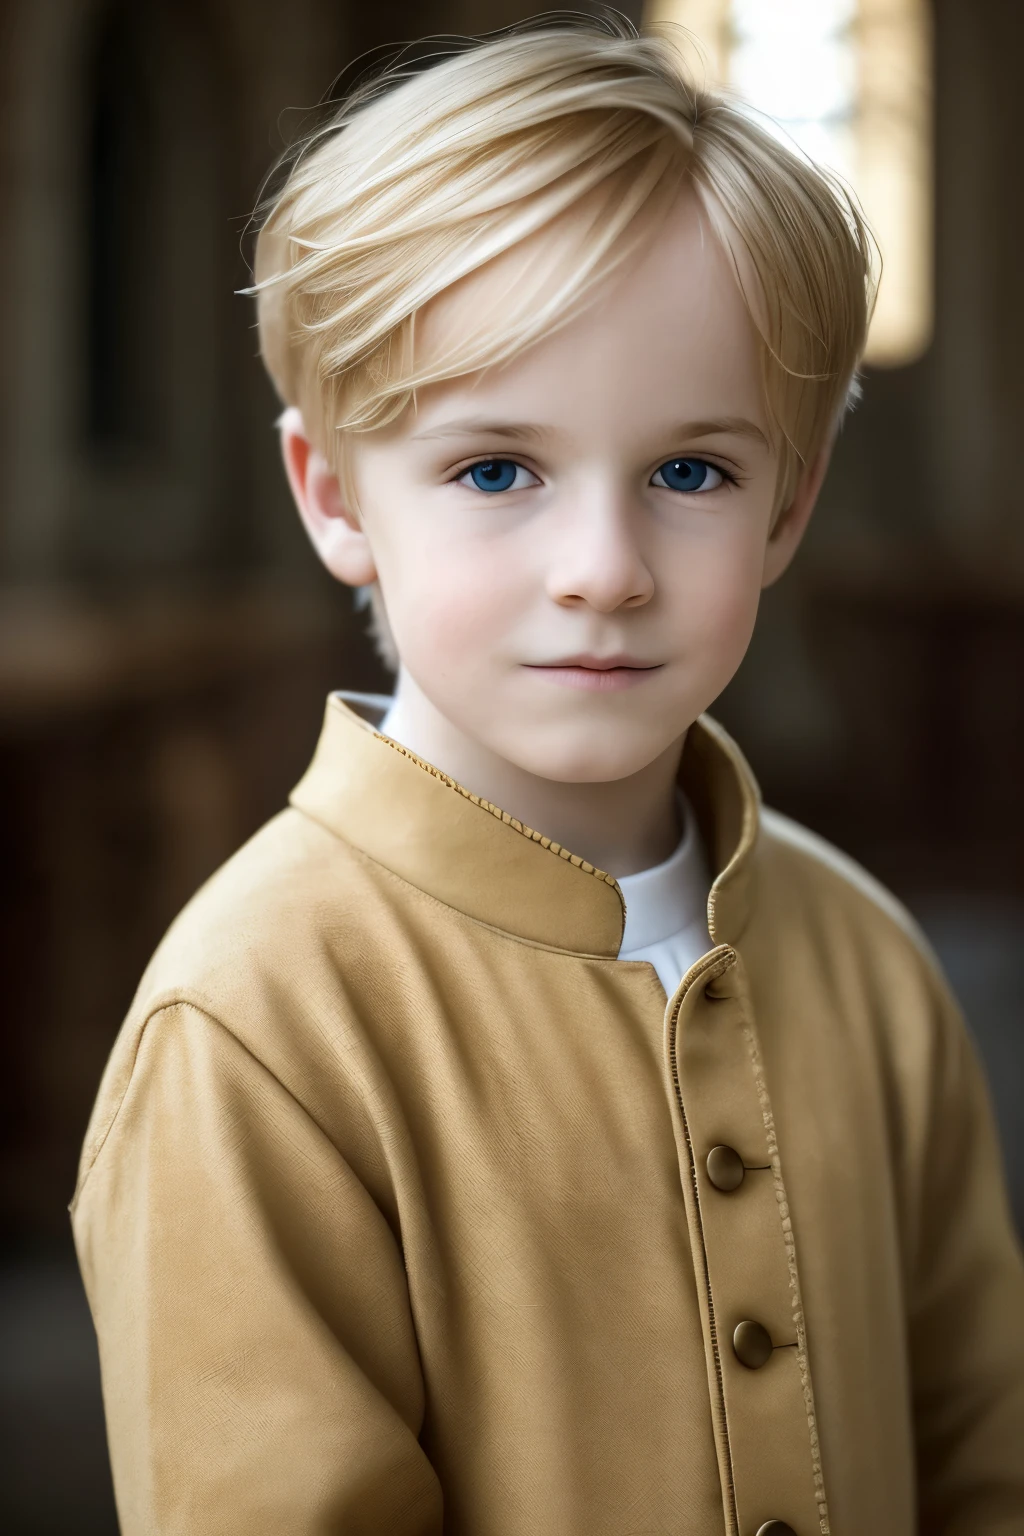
[{"x": 571, "y": 548}]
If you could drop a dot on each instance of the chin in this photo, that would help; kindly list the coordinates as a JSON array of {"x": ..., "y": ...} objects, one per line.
[{"x": 583, "y": 761}]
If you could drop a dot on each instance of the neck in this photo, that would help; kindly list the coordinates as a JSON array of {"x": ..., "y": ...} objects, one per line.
[{"x": 620, "y": 826}]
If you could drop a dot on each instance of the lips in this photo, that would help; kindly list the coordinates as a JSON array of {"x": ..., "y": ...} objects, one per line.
[
  {"x": 597, "y": 674},
  {"x": 602, "y": 663}
]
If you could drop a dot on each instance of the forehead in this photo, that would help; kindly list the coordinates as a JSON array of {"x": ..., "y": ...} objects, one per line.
[{"x": 667, "y": 334}]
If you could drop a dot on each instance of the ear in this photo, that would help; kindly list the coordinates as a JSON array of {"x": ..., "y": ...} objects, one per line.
[
  {"x": 791, "y": 523},
  {"x": 333, "y": 528}
]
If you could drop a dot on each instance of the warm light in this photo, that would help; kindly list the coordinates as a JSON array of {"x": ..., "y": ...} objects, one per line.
[
  {"x": 706, "y": 49},
  {"x": 849, "y": 81}
]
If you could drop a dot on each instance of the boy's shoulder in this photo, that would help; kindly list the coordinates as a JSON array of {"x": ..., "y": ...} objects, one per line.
[
  {"x": 793, "y": 853},
  {"x": 249, "y": 969},
  {"x": 285, "y": 933},
  {"x": 810, "y": 886},
  {"x": 293, "y": 894}
]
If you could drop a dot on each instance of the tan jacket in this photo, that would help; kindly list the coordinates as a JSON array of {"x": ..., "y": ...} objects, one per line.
[{"x": 396, "y": 1212}]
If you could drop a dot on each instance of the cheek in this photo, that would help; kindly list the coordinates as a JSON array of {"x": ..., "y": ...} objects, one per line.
[
  {"x": 722, "y": 592},
  {"x": 451, "y": 605}
]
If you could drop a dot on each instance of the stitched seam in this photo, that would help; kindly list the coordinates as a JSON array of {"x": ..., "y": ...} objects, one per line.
[
  {"x": 750, "y": 825},
  {"x": 467, "y": 917},
  {"x": 794, "y": 1281},
  {"x": 90, "y": 1160},
  {"x": 496, "y": 811},
  {"x": 173, "y": 1004},
  {"x": 696, "y": 972}
]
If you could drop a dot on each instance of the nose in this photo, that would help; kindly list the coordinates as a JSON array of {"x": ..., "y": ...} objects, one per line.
[{"x": 597, "y": 561}]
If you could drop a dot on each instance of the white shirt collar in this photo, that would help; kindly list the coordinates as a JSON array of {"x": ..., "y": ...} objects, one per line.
[{"x": 669, "y": 897}]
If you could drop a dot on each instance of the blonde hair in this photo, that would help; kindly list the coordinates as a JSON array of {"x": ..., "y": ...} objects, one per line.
[{"x": 421, "y": 177}]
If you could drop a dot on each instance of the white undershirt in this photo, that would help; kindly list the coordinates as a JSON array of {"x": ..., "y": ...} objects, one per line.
[{"x": 666, "y": 906}]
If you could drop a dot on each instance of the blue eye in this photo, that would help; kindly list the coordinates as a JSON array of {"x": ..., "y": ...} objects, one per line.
[
  {"x": 687, "y": 475},
  {"x": 498, "y": 475}
]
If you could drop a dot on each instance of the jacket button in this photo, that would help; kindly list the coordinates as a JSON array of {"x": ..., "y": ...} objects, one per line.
[
  {"x": 725, "y": 1168},
  {"x": 752, "y": 1345},
  {"x": 775, "y": 1528}
]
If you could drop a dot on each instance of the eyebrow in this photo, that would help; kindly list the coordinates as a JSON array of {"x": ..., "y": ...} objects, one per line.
[
  {"x": 724, "y": 426},
  {"x": 482, "y": 426},
  {"x": 523, "y": 431}
]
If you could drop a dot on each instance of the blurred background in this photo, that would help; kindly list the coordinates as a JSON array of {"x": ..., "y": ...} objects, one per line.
[{"x": 167, "y": 638}]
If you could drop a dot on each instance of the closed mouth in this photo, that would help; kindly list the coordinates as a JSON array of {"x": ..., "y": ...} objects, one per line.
[
  {"x": 599, "y": 664},
  {"x": 597, "y": 674}
]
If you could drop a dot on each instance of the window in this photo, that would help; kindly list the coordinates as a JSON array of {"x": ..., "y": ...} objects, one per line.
[{"x": 850, "y": 82}]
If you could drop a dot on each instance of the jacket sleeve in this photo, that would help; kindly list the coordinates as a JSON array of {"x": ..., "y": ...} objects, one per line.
[
  {"x": 260, "y": 1369},
  {"x": 966, "y": 1310}
]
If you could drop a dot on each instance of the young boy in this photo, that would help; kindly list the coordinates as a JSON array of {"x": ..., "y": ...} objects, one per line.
[{"x": 526, "y": 1134}]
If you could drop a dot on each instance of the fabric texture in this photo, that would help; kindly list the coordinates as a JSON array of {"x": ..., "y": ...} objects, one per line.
[
  {"x": 396, "y": 1214},
  {"x": 665, "y": 905}
]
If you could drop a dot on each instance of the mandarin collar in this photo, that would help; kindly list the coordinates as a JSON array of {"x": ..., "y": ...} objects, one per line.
[{"x": 431, "y": 831}]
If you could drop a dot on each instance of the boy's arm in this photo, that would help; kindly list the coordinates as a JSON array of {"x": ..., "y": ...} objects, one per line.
[
  {"x": 966, "y": 1311},
  {"x": 260, "y": 1368}
]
